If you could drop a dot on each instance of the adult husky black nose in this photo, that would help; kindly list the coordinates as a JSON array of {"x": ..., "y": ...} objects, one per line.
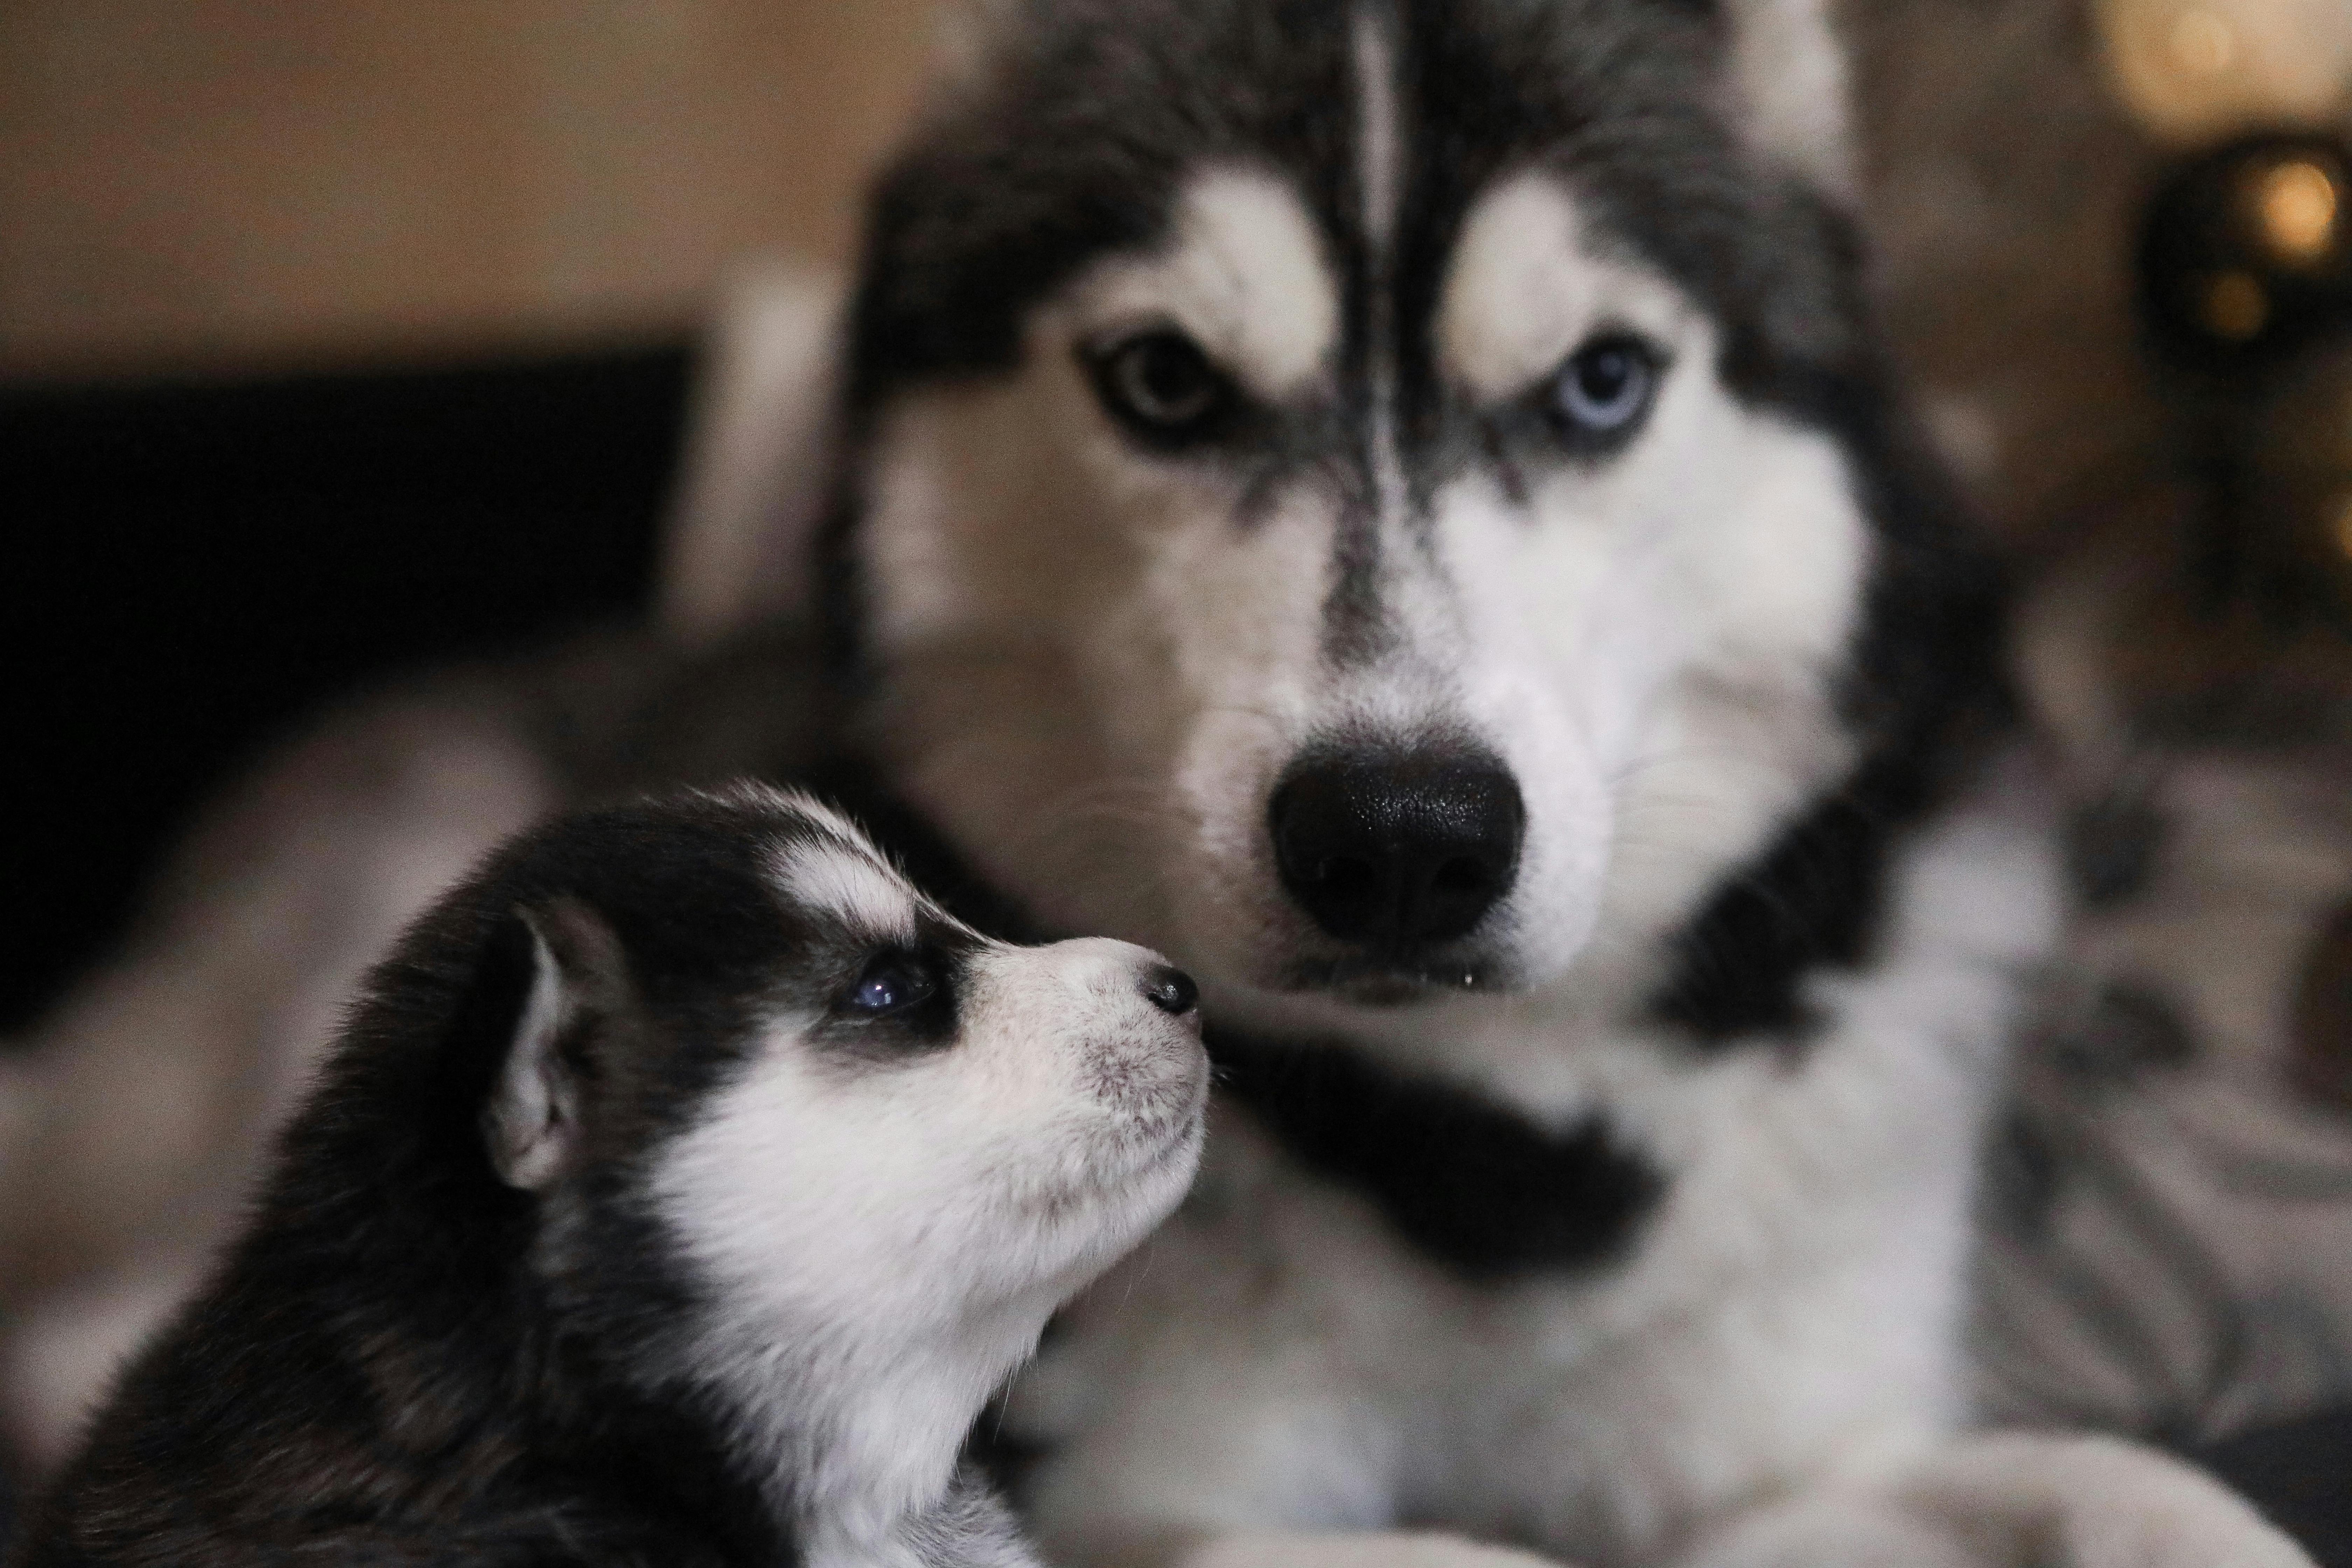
[{"x": 1398, "y": 849}]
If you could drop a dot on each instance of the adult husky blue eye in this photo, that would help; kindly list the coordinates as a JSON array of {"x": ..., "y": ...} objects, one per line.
[
  {"x": 891, "y": 982},
  {"x": 1160, "y": 385},
  {"x": 1605, "y": 385}
]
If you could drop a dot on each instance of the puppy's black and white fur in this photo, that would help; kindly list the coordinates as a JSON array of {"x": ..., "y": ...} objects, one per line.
[{"x": 681, "y": 1187}]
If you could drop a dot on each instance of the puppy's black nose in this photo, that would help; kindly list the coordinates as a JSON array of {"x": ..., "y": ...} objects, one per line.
[
  {"x": 1171, "y": 990},
  {"x": 1398, "y": 849}
]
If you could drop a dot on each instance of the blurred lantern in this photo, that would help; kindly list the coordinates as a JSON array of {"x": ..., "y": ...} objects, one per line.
[
  {"x": 2247, "y": 252},
  {"x": 2246, "y": 279},
  {"x": 2197, "y": 71}
]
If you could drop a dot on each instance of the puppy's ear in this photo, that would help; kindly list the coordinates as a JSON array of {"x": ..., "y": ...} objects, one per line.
[{"x": 578, "y": 975}]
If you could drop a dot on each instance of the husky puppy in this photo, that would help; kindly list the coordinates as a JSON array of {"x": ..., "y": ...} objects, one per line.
[{"x": 680, "y": 1188}]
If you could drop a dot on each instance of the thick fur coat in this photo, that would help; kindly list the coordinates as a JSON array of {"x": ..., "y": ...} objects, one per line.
[{"x": 680, "y": 1189}]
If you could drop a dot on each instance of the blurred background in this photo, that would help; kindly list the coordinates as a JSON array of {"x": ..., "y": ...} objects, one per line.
[
  {"x": 231, "y": 186},
  {"x": 336, "y": 339},
  {"x": 333, "y": 338}
]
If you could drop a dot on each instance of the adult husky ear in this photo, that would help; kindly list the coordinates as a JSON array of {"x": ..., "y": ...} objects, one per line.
[
  {"x": 970, "y": 36},
  {"x": 532, "y": 1120},
  {"x": 1786, "y": 74}
]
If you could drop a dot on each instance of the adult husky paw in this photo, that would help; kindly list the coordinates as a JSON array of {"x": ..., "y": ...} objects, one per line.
[
  {"x": 2097, "y": 1503},
  {"x": 2015, "y": 1500}
]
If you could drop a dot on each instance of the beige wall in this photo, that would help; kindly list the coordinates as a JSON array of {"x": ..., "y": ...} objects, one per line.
[{"x": 194, "y": 183}]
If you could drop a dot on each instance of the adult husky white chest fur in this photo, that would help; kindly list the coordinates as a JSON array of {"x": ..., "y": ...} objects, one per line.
[{"x": 1397, "y": 505}]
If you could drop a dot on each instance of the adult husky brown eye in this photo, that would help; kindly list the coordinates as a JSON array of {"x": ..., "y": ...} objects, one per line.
[
  {"x": 1160, "y": 385},
  {"x": 1605, "y": 387}
]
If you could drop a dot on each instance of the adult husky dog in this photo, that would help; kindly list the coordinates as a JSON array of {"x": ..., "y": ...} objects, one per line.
[{"x": 1394, "y": 503}]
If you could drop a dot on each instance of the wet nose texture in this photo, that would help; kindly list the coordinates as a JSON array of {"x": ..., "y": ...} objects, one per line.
[
  {"x": 1171, "y": 990},
  {"x": 1398, "y": 850}
]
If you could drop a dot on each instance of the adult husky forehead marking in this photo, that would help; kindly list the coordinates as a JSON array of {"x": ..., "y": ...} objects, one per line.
[
  {"x": 1088, "y": 124},
  {"x": 1379, "y": 151},
  {"x": 1244, "y": 274},
  {"x": 1383, "y": 188}
]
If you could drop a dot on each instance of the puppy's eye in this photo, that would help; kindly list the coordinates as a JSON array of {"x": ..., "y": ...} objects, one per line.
[
  {"x": 892, "y": 982},
  {"x": 1160, "y": 385},
  {"x": 1605, "y": 387}
]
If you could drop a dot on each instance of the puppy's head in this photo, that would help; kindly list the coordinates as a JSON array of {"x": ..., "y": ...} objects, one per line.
[{"x": 750, "y": 1056}]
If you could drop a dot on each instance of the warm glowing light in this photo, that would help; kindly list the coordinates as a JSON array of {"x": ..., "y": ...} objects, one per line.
[
  {"x": 2202, "y": 44},
  {"x": 2236, "y": 307},
  {"x": 2195, "y": 73},
  {"x": 2342, "y": 531},
  {"x": 2298, "y": 201}
]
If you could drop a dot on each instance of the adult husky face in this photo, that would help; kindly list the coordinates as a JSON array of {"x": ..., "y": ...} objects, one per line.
[{"x": 1363, "y": 497}]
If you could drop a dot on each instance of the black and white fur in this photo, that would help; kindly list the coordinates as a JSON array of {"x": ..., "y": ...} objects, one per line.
[
  {"x": 1577, "y": 802},
  {"x": 681, "y": 1187},
  {"x": 1619, "y": 1208}
]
